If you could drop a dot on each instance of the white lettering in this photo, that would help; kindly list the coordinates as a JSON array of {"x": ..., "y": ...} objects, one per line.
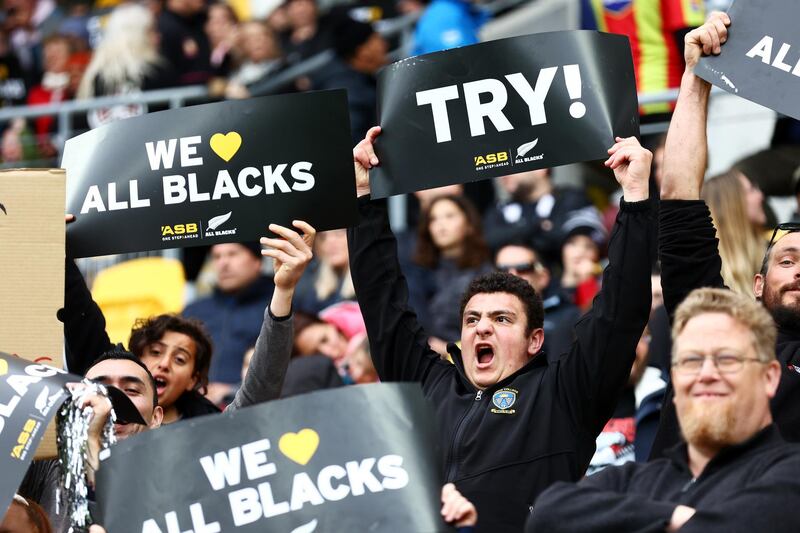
[
  {"x": 161, "y": 154},
  {"x": 93, "y": 200},
  {"x": 224, "y": 468},
  {"x": 304, "y": 491},
  {"x": 493, "y": 109},
  {"x": 113, "y": 204},
  {"x": 174, "y": 189},
  {"x": 255, "y": 460},
  {"x": 241, "y": 180},
  {"x": 195, "y": 196},
  {"x": 224, "y": 185},
  {"x": 534, "y": 98},
  {"x": 135, "y": 200},
  {"x": 300, "y": 172},
  {"x": 245, "y": 507},
  {"x": 188, "y": 149},
  {"x": 391, "y": 468},
  {"x": 763, "y": 50},
  {"x": 360, "y": 476},
  {"x": 326, "y": 475},
  {"x": 437, "y": 99},
  {"x": 268, "y": 501},
  {"x": 275, "y": 177}
]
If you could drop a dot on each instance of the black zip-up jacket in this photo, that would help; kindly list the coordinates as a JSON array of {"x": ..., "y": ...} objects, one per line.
[
  {"x": 690, "y": 260},
  {"x": 749, "y": 487},
  {"x": 501, "y": 458}
]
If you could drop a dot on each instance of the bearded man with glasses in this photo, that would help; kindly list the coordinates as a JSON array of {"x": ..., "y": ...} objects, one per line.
[
  {"x": 734, "y": 472},
  {"x": 687, "y": 239}
]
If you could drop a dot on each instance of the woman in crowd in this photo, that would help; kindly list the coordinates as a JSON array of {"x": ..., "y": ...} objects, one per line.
[
  {"x": 738, "y": 215},
  {"x": 328, "y": 279},
  {"x": 581, "y": 251},
  {"x": 222, "y": 31},
  {"x": 262, "y": 57},
  {"x": 451, "y": 251},
  {"x": 126, "y": 61}
]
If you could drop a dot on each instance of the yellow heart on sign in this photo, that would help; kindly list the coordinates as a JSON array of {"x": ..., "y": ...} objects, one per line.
[
  {"x": 226, "y": 145},
  {"x": 299, "y": 447},
  {"x": 3, "y": 367}
]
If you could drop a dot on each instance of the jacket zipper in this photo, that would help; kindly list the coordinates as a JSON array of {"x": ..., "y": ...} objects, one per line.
[{"x": 451, "y": 469}]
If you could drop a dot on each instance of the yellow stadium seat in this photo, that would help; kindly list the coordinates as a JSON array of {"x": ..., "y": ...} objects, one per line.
[{"x": 138, "y": 289}]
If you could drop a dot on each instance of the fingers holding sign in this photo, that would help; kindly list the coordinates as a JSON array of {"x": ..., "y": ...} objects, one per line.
[
  {"x": 707, "y": 39},
  {"x": 631, "y": 165},
  {"x": 364, "y": 158},
  {"x": 291, "y": 253}
]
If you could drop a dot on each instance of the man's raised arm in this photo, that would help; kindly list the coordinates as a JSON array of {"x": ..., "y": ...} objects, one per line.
[
  {"x": 593, "y": 374},
  {"x": 687, "y": 239},
  {"x": 398, "y": 344}
]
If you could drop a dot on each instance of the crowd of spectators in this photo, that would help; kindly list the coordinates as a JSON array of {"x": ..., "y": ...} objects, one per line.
[{"x": 556, "y": 239}]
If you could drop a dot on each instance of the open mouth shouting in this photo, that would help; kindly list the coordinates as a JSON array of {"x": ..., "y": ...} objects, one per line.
[
  {"x": 161, "y": 385},
  {"x": 484, "y": 353}
]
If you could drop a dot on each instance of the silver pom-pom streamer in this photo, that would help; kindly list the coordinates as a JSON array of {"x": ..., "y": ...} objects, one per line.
[{"x": 72, "y": 437}]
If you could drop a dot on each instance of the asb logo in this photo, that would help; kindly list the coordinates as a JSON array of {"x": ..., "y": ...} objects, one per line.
[{"x": 504, "y": 399}]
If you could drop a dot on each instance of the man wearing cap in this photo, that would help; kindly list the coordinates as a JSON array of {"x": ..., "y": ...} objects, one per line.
[
  {"x": 688, "y": 245},
  {"x": 734, "y": 473},
  {"x": 233, "y": 313}
]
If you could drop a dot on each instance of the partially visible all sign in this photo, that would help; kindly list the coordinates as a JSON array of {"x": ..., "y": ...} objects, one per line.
[
  {"x": 761, "y": 59},
  {"x": 211, "y": 173},
  {"x": 502, "y": 107}
]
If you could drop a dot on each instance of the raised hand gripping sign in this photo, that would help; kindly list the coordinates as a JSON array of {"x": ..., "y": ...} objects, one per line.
[
  {"x": 502, "y": 107},
  {"x": 211, "y": 173},
  {"x": 761, "y": 59},
  {"x": 359, "y": 458}
]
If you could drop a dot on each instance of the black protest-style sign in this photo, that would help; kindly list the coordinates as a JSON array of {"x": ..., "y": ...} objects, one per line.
[
  {"x": 761, "y": 59},
  {"x": 502, "y": 107},
  {"x": 30, "y": 395},
  {"x": 211, "y": 173},
  {"x": 360, "y": 458}
]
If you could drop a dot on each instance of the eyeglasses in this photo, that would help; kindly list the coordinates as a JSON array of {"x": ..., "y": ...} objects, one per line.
[
  {"x": 520, "y": 268},
  {"x": 726, "y": 363}
]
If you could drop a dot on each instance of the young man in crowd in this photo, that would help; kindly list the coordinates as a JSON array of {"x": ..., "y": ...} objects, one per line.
[
  {"x": 688, "y": 245},
  {"x": 511, "y": 422},
  {"x": 735, "y": 473}
]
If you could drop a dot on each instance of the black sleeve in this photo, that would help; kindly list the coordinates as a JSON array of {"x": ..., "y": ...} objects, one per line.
[
  {"x": 398, "y": 343},
  {"x": 687, "y": 249},
  {"x": 690, "y": 259},
  {"x": 767, "y": 504},
  {"x": 84, "y": 323},
  {"x": 593, "y": 373},
  {"x": 598, "y": 503}
]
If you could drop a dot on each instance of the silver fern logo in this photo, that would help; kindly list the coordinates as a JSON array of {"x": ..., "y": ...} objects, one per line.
[
  {"x": 217, "y": 221},
  {"x": 527, "y": 147}
]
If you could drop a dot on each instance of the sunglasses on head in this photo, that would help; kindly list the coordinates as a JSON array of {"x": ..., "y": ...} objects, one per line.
[
  {"x": 781, "y": 230},
  {"x": 520, "y": 268}
]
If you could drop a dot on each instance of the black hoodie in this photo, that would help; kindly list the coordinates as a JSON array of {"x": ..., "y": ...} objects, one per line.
[{"x": 504, "y": 445}]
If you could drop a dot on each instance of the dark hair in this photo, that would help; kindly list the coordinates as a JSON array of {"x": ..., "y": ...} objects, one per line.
[
  {"x": 475, "y": 249},
  {"x": 119, "y": 353},
  {"x": 146, "y": 331},
  {"x": 35, "y": 514},
  {"x": 504, "y": 282},
  {"x": 301, "y": 320}
]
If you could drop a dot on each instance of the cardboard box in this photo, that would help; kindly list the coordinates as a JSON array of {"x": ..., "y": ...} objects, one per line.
[{"x": 32, "y": 270}]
